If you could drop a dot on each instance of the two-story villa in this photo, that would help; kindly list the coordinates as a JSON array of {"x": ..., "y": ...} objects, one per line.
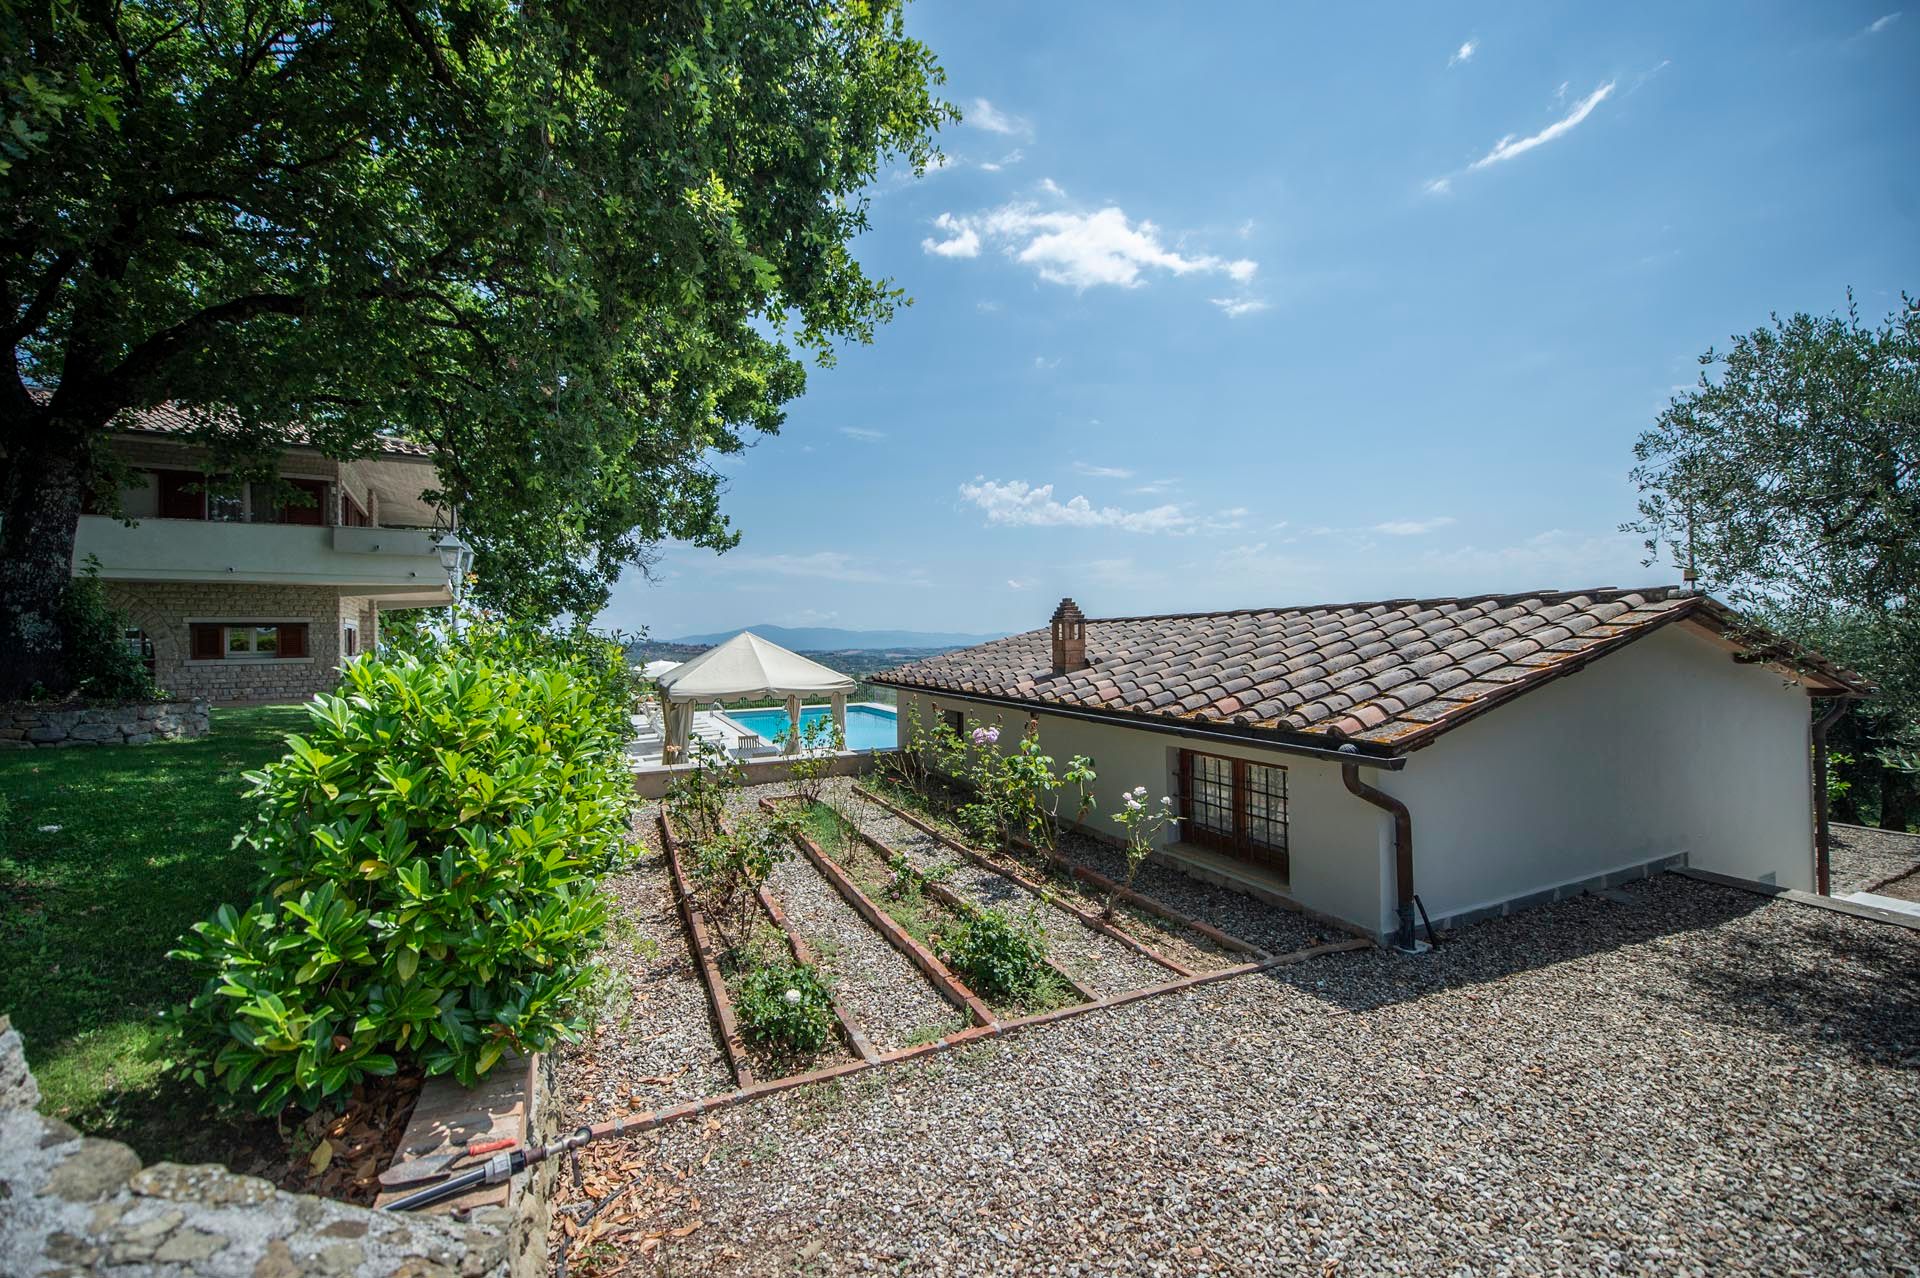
[{"x": 238, "y": 596}]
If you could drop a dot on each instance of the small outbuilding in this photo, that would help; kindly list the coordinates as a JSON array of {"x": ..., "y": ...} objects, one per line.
[
  {"x": 1462, "y": 756},
  {"x": 747, "y": 666}
]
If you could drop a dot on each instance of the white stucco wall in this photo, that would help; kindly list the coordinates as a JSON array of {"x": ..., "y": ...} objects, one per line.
[
  {"x": 1666, "y": 746},
  {"x": 1339, "y": 848}
]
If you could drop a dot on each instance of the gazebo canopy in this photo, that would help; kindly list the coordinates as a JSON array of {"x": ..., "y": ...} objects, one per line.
[
  {"x": 748, "y": 666},
  {"x": 654, "y": 669}
]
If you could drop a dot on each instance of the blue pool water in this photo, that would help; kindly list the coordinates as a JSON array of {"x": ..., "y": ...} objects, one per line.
[{"x": 868, "y": 727}]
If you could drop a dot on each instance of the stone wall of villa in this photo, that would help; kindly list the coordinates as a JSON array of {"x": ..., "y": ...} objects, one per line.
[
  {"x": 26, "y": 726},
  {"x": 163, "y": 610},
  {"x": 72, "y": 1205}
]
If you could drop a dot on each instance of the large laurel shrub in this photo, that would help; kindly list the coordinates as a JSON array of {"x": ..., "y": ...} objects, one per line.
[{"x": 429, "y": 849}]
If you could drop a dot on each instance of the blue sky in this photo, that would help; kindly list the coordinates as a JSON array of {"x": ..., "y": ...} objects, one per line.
[{"x": 1308, "y": 304}]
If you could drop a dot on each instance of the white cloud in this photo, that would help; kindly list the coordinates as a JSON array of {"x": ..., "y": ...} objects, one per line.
[
  {"x": 961, "y": 241},
  {"x": 1016, "y": 503},
  {"x": 985, "y": 115},
  {"x": 1883, "y": 22},
  {"x": 1235, "y": 307},
  {"x": 1052, "y": 187},
  {"x": 1413, "y": 527},
  {"x": 862, "y": 434},
  {"x": 1439, "y": 186},
  {"x": 1245, "y": 229},
  {"x": 1014, "y": 583},
  {"x": 1508, "y": 147},
  {"x": 1042, "y": 364},
  {"x": 1464, "y": 53},
  {"x": 1560, "y": 94},
  {"x": 1012, "y": 157},
  {"x": 824, "y": 565},
  {"x": 1153, "y": 487},
  {"x": 1555, "y": 559},
  {"x": 1079, "y": 250},
  {"x": 1103, "y": 472}
]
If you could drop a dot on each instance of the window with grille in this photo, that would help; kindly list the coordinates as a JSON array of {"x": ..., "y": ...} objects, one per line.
[{"x": 1236, "y": 806}]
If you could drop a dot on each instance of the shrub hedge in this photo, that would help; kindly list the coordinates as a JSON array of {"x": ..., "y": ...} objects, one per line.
[{"x": 428, "y": 848}]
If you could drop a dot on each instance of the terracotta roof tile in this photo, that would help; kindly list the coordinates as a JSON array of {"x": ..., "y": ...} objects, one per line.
[{"x": 1392, "y": 674}]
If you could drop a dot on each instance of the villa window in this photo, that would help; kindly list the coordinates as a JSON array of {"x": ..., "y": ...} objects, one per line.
[
  {"x": 1235, "y": 806},
  {"x": 956, "y": 721},
  {"x": 248, "y": 640},
  {"x": 349, "y": 639}
]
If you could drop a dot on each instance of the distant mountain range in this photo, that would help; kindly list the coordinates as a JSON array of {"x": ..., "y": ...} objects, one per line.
[{"x": 829, "y": 639}]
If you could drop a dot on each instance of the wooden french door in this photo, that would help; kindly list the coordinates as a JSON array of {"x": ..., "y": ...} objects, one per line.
[{"x": 1235, "y": 806}]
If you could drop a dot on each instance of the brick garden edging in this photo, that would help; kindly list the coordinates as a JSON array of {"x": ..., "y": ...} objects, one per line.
[
  {"x": 1093, "y": 877},
  {"x": 953, "y": 901},
  {"x": 1039, "y": 889},
  {"x": 949, "y": 986},
  {"x": 638, "y": 1124},
  {"x": 697, "y": 932},
  {"x": 25, "y": 725}
]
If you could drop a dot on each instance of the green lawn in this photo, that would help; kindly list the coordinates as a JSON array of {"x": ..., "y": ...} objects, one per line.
[{"x": 106, "y": 856}]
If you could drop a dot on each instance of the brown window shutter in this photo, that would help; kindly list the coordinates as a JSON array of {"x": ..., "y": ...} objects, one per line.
[
  {"x": 293, "y": 641},
  {"x": 209, "y": 643}
]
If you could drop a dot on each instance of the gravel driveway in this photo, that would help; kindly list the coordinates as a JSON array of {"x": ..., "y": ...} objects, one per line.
[
  {"x": 1695, "y": 1080},
  {"x": 1863, "y": 858}
]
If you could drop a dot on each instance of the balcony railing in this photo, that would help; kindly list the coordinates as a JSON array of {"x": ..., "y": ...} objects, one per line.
[{"x": 392, "y": 560}]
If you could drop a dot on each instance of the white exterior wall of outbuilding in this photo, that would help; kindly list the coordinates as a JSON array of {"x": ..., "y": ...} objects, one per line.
[
  {"x": 1339, "y": 848},
  {"x": 1666, "y": 747}
]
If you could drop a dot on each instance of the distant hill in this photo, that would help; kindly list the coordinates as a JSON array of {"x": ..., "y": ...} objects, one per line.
[{"x": 828, "y": 639}]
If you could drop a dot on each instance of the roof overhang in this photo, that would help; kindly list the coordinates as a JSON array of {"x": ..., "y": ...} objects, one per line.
[{"x": 1302, "y": 744}]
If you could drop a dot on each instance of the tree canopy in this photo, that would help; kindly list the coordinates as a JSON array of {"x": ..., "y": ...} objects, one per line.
[
  {"x": 577, "y": 247},
  {"x": 1791, "y": 477}
]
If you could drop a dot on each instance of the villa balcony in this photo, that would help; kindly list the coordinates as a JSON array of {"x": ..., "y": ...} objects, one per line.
[{"x": 385, "y": 561}]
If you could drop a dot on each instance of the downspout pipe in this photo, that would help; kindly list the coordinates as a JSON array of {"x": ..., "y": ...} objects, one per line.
[
  {"x": 1822, "y": 833},
  {"x": 1402, "y": 845}
]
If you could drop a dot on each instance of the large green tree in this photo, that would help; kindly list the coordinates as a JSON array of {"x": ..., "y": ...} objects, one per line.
[
  {"x": 577, "y": 246},
  {"x": 1791, "y": 476}
]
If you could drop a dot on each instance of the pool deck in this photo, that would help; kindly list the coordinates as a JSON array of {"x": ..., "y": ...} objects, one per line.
[{"x": 738, "y": 740}]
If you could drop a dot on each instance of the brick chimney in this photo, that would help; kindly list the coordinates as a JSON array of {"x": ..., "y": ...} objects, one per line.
[{"x": 1069, "y": 638}]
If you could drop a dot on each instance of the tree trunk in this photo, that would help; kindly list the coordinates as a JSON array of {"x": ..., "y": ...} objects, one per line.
[{"x": 42, "y": 488}]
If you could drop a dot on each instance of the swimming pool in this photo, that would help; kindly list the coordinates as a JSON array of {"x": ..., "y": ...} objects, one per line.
[{"x": 869, "y": 727}]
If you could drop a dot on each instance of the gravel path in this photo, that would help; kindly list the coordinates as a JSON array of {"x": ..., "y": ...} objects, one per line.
[
  {"x": 1100, "y": 963},
  {"x": 1699, "y": 1080},
  {"x": 1276, "y": 930},
  {"x": 884, "y": 993},
  {"x": 652, "y": 1045},
  {"x": 1862, "y": 858}
]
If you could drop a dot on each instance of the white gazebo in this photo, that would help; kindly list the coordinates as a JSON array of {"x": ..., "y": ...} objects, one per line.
[
  {"x": 654, "y": 669},
  {"x": 747, "y": 666}
]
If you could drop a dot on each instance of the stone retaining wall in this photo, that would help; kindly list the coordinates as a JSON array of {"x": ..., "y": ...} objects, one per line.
[
  {"x": 23, "y": 725},
  {"x": 72, "y": 1205}
]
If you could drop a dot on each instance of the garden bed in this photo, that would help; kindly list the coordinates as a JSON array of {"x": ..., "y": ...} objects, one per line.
[
  {"x": 925, "y": 910},
  {"x": 728, "y": 972},
  {"x": 1188, "y": 946},
  {"x": 1174, "y": 903},
  {"x": 1102, "y": 964}
]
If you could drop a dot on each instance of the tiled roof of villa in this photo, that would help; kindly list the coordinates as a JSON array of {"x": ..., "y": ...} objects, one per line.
[
  {"x": 178, "y": 419},
  {"x": 1390, "y": 676}
]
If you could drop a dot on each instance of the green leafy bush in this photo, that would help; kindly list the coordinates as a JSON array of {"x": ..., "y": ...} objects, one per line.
[
  {"x": 101, "y": 666},
  {"x": 1000, "y": 958},
  {"x": 428, "y": 848},
  {"x": 785, "y": 1008}
]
